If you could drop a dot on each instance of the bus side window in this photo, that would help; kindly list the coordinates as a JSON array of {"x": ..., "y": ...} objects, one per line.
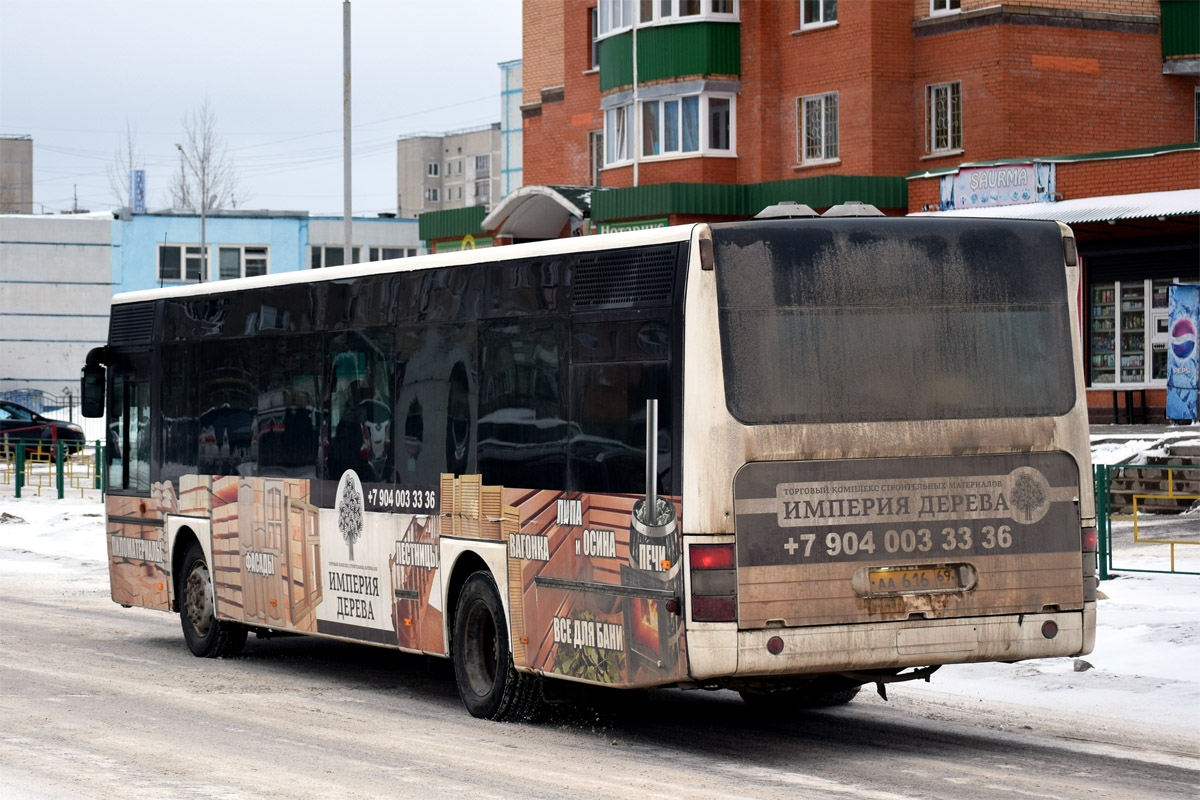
[
  {"x": 116, "y": 433},
  {"x": 435, "y": 387},
  {"x": 523, "y": 404},
  {"x": 608, "y": 428},
  {"x": 129, "y": 434},
  {"x": 359, "y": 409}
]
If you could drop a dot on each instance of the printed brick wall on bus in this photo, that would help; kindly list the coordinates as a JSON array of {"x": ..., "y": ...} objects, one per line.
[
  {"x": 138, "y": 563},
  {"x": 591, "y": 589}
]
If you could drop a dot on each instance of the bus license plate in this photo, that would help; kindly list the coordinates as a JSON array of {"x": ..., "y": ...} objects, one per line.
[{"x": 913, "y": 581}]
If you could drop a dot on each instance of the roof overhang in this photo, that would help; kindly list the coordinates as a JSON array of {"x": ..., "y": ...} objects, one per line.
[
  {"x": 537, "y": 212},
  {"x": 1112, "y": 208}
]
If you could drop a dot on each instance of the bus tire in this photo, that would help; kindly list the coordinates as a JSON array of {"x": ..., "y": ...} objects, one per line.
[
  {"x": 206, "y": 636},
  {"x": 799, "y": 699},
  {"x": 489, "y": 685}
]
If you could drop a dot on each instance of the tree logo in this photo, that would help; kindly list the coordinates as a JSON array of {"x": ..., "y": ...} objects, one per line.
[
  {"x": 349, "y": 507},
  {"x": 1028, "y": 494}
]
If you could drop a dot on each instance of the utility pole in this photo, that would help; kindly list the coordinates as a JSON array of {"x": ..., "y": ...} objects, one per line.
[
  {"x": 202, "y": 177},
  {"x": 348, "y": 219}
]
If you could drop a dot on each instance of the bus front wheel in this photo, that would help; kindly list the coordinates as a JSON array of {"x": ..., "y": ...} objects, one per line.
[
  {"x": 490, "y": 687},
  {"x": 206, "y": 636}
]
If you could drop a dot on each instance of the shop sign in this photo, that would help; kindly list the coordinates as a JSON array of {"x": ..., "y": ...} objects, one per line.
[
  {"x": 1183, "y": 358},
  {"x": 632, "y": 225},
  {"x": 998, "y": 186},
  {"x": 468, "y": 242}
]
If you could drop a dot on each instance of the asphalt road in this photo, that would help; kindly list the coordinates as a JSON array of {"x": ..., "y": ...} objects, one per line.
[{"x": 100, "y": 701}]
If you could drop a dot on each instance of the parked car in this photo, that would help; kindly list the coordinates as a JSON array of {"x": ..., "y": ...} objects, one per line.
[{"x": 19, "y": 422}]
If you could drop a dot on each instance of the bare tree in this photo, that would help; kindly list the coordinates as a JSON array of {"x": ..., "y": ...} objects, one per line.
[
  {"x": 126, "y": 158},
  {"x": 207, "y": 176}
]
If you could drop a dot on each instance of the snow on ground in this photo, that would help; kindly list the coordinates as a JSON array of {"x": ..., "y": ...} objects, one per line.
[{"x": 1145, "y": 667}]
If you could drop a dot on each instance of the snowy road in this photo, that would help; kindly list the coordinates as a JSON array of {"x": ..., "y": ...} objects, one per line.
[{"x": 100, "y": 701}]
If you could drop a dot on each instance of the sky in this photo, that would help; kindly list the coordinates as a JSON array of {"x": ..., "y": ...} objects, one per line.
[{"x": 74, "y": 73}]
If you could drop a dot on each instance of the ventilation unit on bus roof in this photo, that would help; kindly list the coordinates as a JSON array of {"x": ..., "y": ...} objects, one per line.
[
  {"x": 131, "y": 325},
  {"x": 622, "y": 278},
  {"x": 853, "y": 208}
]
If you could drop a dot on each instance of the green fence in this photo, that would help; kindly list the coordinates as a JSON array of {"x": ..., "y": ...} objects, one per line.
[
  {"x": 1142, "y": 494},
  {"x": 35, "y": 465}
]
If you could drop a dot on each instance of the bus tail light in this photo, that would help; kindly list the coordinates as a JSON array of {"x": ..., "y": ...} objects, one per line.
[
  {"x": 714, "y": 583},
  {"x": 1090, "y": 540},
  {"x": 1089, "y": 543}
]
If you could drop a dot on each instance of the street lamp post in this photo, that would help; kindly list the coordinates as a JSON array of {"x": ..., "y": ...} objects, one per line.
[{"x": 200, "y": 176}]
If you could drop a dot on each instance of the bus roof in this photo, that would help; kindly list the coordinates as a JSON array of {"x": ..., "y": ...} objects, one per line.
[{"x": 550, "y": 247}]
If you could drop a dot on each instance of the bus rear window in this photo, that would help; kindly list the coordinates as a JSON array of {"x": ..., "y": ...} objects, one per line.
[{"x": 861, "y": 320}]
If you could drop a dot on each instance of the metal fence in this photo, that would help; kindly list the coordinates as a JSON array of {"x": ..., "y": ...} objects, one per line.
[
  {"x": 32, "y": 466},
  {"x": 1153, "y": 497}
]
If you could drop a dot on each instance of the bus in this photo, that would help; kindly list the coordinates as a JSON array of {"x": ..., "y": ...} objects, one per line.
[{"x": 785, "y": 457}]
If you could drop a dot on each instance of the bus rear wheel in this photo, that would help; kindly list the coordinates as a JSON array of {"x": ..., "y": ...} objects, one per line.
[
  {"x": 489, "y": 685},
  {"x": 206, "y": 636}
]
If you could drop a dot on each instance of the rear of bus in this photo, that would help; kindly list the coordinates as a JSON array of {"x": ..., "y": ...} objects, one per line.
[{"x": 885, "y": 438}]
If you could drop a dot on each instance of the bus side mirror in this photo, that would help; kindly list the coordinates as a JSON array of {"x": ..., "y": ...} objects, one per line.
[{"x": 91, "y": 387}]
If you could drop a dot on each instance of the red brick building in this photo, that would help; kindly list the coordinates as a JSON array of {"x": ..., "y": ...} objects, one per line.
[{"x": 713, "y": 109}]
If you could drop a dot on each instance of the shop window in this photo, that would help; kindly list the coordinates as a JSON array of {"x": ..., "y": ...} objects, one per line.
[
  {"x": 819, "y": 128},
  {"x": 944, "y": 117},
  {"x": 814, "y": 13},
  {"x": 1127, "y": 332}
]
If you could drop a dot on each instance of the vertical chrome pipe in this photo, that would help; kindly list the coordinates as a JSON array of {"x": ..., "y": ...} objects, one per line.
[{"x": 651, "y": 511}]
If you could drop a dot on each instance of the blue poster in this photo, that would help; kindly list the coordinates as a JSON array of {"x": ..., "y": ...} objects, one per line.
[{"x": 1183, "y": 360}]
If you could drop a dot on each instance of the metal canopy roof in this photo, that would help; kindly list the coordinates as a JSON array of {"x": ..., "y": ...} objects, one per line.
[
  {"x": 1091, "y": 209},
  {"x": 539, "y": 212}
]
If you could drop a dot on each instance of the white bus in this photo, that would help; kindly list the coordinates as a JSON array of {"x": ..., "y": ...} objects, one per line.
[{"x": 785, "y": 457}]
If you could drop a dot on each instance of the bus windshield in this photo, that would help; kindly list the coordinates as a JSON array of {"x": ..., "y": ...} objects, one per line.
[{"x": 860, "y": 320}]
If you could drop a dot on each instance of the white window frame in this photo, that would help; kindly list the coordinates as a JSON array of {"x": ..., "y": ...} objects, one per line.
[
  {"x": 941, "y": 8},
  {"x": 824, "y": 21},
  {"x": 432, "y": 194},
  {"x": 318, "y": 252},
  {"x": 184, "y": 257},
  {"x": 1150, "y": 315},
  {"x": 614, "y": 157},
  {"x": 432, "y": 169},
  {"x": 486, "y": 161},
  {"x": 952, "y": 88},
  {"x": 242, "y": 250},
  {"x": 618, "y": 16},
  {"x": 802, "y": 112},
  {"x": 594, "y": 38},
  {"x": 703, "y": 146}
]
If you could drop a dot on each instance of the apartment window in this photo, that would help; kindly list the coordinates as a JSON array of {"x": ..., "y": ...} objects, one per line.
[
  {"x": 483, "y": 163},
  {"x": 332, "y": 256},
  {"x": 483, "y": 192},
  {"x": 240, "y": 262},
  {"x": 179, "y": 262},
  {"x": 618, "y": 146},
  {"x": 944, "y": 115},
  {"x": 431, "y": 194},
  {"x": 615, "y": 15},
  {"x": 458, "y": 167},
  {"x": 688, "y": 124},
  {"x": 819, "y": 127},
  {"x": 1196, "y": 132},
  {"x": 945, "y": 6},
  {"x": 432, "y": 169},
  {"x": 594, "y": 35},
  {"x": 817, "y": 12}
]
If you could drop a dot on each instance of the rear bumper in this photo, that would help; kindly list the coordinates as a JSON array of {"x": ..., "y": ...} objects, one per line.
[{"x": 913, "y": 643}]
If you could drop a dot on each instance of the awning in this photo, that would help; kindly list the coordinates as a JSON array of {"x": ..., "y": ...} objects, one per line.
[
  {"x": 539, "y": 212},
  {"x": 1111, "y": 208}
]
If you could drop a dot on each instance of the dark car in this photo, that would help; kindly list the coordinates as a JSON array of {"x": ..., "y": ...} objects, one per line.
[{"x": 18, "y": 422}]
